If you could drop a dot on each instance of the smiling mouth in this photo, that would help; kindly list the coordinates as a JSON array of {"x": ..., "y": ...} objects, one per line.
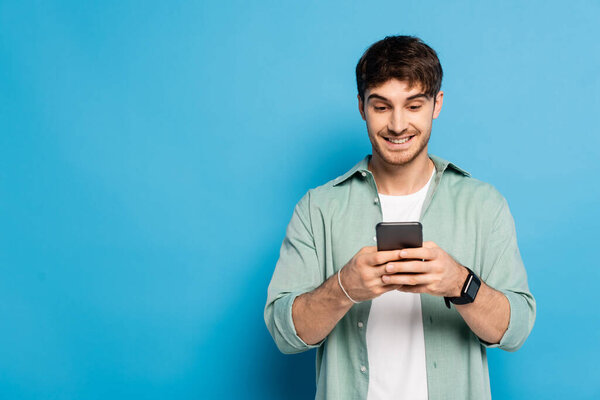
[{"x": 400, "y": 140}]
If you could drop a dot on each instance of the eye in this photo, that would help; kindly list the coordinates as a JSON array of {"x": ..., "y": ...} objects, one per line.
[
  {"x": 380, "y": 108},
  {"x": 414, "y": 107}
]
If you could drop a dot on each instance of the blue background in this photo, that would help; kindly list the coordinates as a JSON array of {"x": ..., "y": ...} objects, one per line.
[{"x": 151, "y": 154}]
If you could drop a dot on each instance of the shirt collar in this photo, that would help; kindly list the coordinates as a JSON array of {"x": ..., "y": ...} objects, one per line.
[{"x": 362, "y": 167}]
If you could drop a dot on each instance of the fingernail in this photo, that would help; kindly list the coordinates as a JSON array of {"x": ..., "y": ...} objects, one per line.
[
  {"x": 389, "y": 268},
  {"x": 403, "y": 253},
  {"x": 385, "y": 278}
]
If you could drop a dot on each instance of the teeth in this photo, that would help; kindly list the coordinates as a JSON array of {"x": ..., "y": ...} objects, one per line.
[{"x": 399, "y": 141}]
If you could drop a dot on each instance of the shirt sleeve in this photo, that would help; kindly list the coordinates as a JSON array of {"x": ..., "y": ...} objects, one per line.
[
  {"x": 296, "y": 272},
  {"x": 507, "y": 275}
]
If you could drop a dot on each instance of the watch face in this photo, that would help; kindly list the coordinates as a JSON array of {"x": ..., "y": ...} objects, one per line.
[{"x": 472, "y": 289}]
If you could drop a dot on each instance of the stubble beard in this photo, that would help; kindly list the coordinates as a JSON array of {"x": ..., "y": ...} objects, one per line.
[{"x": 400, "y": 158}]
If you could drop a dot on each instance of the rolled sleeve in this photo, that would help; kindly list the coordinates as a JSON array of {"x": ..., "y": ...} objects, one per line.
[
  {"x": 296, "y": 272},
  {"x": 283, "y": 329},
  {"x": 522, "y": 315},
  {"x": 507, "y": 275}
]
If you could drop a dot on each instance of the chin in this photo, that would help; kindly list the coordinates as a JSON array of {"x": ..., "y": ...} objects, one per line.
[{"x": 399, "y": 158}]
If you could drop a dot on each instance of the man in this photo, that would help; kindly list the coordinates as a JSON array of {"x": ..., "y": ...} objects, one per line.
[{"x": 383, "y": 321}]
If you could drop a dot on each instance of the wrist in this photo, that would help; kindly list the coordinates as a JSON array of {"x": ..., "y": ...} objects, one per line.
[
  {"x": 468, "y": 291},
  {"x": 346, "y": 298},
  {"x": 462, "y": 276}
]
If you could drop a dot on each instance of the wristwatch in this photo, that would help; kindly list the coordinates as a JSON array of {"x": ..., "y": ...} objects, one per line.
[{"x": 468, "y": 292}]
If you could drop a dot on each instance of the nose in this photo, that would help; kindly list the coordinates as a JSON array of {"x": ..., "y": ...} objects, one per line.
[{"x": 398, "y": 121}]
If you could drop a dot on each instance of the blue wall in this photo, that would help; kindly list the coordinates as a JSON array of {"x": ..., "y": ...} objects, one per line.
[{"x": 151, "y": 155}]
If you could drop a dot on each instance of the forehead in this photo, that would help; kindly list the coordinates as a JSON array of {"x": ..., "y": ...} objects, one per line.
[{"x": 394, "y": 90}]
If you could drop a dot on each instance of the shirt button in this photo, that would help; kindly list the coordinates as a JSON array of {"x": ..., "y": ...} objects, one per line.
[
  {"x": 363, "y": 173},
  {"x": 375, "y": 200},
  {"x": 360, "y": 324},
  {"x": 363, "y": 368}
]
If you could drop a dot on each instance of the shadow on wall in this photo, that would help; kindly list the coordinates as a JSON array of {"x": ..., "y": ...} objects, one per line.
[
  {"x": 273, "y": 375},
  {"x": 287, "y": 376},
  {"x": 238, "y": 358},
  {"x": 243, "y": 358}
]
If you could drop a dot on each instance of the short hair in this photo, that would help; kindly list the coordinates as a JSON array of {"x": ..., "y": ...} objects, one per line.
[{"x": 405, "y": 58}]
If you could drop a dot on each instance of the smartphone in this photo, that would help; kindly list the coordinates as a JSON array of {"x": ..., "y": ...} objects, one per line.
[{"x": 398, "y": 235}]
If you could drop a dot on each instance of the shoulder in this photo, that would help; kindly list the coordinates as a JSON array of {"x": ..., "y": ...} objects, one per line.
[
  {"x": 470, "y": 185},
  {"x": 339, "y": 188},
  {"x": 477, "y": 195},
  {"x": 460, "y": 182},
  {"x": 324, "y": 194}
]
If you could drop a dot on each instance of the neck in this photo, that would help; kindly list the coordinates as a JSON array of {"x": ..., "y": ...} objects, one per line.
[{"x": 400, "y": 180}]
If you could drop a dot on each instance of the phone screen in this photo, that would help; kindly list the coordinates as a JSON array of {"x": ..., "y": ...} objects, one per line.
[{"x": 399, "y": 235}]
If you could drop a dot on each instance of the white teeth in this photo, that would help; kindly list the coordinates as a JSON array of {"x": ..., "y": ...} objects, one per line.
[{"x": 400, "y": 141}]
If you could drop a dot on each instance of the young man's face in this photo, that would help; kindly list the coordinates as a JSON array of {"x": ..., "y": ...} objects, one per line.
[{"x": 399, "y": 120}]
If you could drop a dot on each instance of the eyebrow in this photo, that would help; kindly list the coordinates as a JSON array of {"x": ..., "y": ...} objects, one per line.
[{"x": 414, "y": 96}]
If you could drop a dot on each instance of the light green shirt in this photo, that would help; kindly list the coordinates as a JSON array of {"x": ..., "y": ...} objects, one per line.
[{"x": 467, "y": 218}]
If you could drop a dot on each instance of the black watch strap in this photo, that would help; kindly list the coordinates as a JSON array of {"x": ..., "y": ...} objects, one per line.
[{"x": 468, "y": 292}]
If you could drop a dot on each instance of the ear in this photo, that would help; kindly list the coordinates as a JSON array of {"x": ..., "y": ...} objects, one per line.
[
  {"x": 361, "y": 107},
  {"x": 437, "y": 106}
]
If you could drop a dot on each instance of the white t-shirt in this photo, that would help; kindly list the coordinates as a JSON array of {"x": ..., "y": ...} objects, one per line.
[{"x": 395, "y": 341}]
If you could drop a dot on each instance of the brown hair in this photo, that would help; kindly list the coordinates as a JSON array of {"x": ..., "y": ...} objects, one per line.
[{"x": 405, "y": 58}]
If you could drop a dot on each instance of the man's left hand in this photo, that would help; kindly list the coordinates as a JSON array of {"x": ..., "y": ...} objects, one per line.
[{"x": 438, "y": 274}]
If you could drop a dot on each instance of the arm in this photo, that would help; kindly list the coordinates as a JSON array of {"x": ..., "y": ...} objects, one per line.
[
  {"x": 301, "y": 309},
  {"x": 297, "y": 272},
  {"x": 503, "y": 270},
  {"x": 488, "y": 316},
  {"x": 441, "y": 275},
  {"x": 316, "y": 313},
  {"x": 504, "y": 310}
]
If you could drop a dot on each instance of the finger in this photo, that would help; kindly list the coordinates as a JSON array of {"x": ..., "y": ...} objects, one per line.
[
  {"x": 368, "y": 249},
  {"x": 406, "y": 279},
  {"x": 375, "y": 272},
  {"x": 392, "y": 287},
  {"x": 419, "y": 253},
  {"x": 413, "y": 289},
  {"x": 430, "y": 245},
  {"x": 404, "y": 267},
  {"x": 382, "y": 257}
]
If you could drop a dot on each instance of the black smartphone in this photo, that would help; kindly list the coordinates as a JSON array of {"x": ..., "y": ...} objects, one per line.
[{"x": 398, "y": 235}]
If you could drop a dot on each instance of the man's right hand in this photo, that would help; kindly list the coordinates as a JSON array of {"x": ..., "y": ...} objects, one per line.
[
  {"x": 317, "y": 312},
  {"x": 361, "y": 276}
]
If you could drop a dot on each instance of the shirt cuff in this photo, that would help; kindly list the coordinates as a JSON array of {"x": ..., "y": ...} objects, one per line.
[
  {"x": 517, "y": 331},
  {"x": 284, "y": 323}
]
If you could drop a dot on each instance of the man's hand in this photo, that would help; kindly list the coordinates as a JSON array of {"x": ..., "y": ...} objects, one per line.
[
  {"x": 317, "y": 312},
  {"x": 370, "y": 273},
  {"x": 428, "y": 269},
  {"x": 439, "y": 274},
  {"x": 361, "y": 276}
]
